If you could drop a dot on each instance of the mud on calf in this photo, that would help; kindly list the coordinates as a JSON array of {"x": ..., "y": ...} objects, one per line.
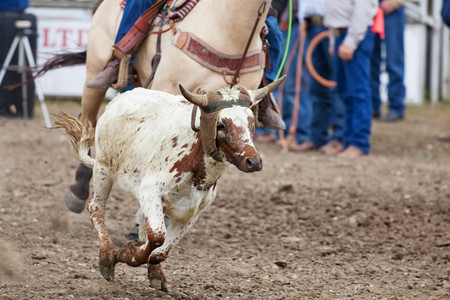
[{"x": 138, "y": 252}]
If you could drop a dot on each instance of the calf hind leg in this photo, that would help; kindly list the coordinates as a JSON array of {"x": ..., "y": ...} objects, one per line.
[{"x": 96, "y": 207}]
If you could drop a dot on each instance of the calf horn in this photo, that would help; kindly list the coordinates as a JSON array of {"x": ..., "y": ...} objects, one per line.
[
  {"x": 200, "y": 100},
  {"x": 264, "y": 91}
]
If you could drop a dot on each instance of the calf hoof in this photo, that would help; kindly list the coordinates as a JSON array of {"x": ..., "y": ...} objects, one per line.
[
  {"x": 73, "y": 203},
  {"x": 106, "y": 266},
  {"x": 157, "y": 278}
]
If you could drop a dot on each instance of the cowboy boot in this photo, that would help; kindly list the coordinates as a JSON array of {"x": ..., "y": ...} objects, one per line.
[
  {"x": 127, "y": 45},
  {"x": 269, "y": 117},
  {"x": 106, "y": 77}
]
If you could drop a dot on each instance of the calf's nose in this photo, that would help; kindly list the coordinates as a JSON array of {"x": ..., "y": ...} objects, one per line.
[{"x": 253, "y": 164}]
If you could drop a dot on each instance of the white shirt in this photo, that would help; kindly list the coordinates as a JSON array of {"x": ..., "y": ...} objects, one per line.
[
  {"x": 307, "y": 8},
  {"x": 355, "y": 15}
]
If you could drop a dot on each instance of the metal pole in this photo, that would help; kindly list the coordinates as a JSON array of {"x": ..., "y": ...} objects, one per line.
[
  {"x": 9, "y": 57},
  {"x": 445, "y": 63},
  {"x": 435, "y": 61},
  {"x": 39, "y": 92},
  {"x": 23, "y": 73}
]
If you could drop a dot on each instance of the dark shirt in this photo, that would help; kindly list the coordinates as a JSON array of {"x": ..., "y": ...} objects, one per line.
[{"x": 13, "y": 4}]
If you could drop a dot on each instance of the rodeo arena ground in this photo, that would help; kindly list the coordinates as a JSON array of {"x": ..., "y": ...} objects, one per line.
[{"x": 305, "y": 226}]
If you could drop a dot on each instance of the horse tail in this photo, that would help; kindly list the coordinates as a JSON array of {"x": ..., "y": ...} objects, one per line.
[
  {"x": 81, "y": 137},
  {"x": 62, "y": 60}
]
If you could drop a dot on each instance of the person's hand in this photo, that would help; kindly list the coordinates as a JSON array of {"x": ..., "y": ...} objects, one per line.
[
  {"x": 345, "y": 52},
  {"x": 387, "y": 7},
  {"x": 303, "y": 27}
]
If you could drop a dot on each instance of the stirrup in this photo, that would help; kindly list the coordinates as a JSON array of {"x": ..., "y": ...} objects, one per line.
[{"x": 122, "y": 79}]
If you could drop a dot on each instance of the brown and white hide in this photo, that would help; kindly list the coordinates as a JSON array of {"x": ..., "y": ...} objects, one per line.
[{"x": 145, "y": 144}]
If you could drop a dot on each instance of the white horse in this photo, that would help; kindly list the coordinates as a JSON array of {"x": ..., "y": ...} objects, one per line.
[{"x": 226, "y": 25}]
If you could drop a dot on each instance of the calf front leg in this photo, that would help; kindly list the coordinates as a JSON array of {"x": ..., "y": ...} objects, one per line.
[
  {"x": 175, "y": 232},
  {"x": 157, "y": 278},
  {"x": 96, "y": 207},
  {"x": 151, "y": 205}
]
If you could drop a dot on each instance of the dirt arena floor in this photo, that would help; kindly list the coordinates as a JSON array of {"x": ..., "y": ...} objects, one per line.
[{"x": 306, "y": 227}]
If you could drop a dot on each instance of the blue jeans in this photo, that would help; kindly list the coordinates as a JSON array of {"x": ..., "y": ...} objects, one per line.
[
  {"x": 305, "y": 107},
  {"x": 275, "y": 40},
  {"x": 14, "y": 5},
  {"x": 395, "y": 64},
  {"x": 132, "y": 11},
  {"x": 353, "y": 88},
  {"x": 328, "y": 108}
]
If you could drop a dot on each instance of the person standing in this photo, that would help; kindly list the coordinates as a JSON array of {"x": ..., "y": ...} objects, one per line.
[
  {"x": 445, "y": 14},
  {"x": 328, "y": 109},
  {"x": 352, "y": 43},
  {"x": 289, "y": 88},
  {"x": 394, "y": 23}
]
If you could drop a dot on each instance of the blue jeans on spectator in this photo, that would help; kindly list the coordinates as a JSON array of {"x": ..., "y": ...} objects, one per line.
[
  {"x": 328, "y": 109},
  {"x": 353, "y": 88},
  {"x": 275, "y": 40},
  {"x": 305, "y": 107},
  {"x": 395, "y": 64}
]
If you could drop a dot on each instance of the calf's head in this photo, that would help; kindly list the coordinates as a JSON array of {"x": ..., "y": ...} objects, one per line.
[{"x": 227, "y": 124}]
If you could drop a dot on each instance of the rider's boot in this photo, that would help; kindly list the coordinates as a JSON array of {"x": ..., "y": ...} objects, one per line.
[
  {"x": 268, "y": 116},
  {"x": 107, "y": 77},
  {"x": 127, "y": 45}
]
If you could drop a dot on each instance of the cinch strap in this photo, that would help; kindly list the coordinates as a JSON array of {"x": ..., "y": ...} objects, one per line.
[{"x": 213, "y": 107}]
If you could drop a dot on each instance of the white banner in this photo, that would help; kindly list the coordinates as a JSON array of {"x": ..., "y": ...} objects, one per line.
[{"x": 62, "y": 30}]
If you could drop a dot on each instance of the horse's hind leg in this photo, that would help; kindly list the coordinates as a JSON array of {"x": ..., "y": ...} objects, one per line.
[
  {"x": 76, "y": 198},
  {"x": 90, "y": 103}
]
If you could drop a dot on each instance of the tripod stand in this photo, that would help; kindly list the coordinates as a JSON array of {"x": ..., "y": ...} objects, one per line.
[{"x": 22, "y": 42}]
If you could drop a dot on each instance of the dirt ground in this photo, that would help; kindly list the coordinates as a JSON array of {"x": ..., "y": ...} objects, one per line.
[{"x": 306, "y": 227}]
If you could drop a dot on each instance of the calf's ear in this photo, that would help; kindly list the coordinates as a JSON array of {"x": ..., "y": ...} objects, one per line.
[{"x": 200, "y": 100}]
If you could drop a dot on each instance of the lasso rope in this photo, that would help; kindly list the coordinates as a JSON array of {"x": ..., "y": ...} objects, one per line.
[{"x": 286, "y": 49}]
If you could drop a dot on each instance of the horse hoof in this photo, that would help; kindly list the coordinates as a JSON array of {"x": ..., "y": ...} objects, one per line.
[{"x": 73, "y": 203}]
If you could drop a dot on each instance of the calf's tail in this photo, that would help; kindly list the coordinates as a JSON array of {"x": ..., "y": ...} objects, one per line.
[{"x": 81, "y": 136}]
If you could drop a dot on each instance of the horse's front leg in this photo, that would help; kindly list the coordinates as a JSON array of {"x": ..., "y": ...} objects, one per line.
[
  {"x": 96, "y": 207},
  {"x": 90, "y": 104}
]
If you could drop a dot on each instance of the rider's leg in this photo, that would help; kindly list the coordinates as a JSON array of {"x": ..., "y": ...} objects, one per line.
[
  {"x": 267, "y": 114},
  {"x": 132, "y": 11}
]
